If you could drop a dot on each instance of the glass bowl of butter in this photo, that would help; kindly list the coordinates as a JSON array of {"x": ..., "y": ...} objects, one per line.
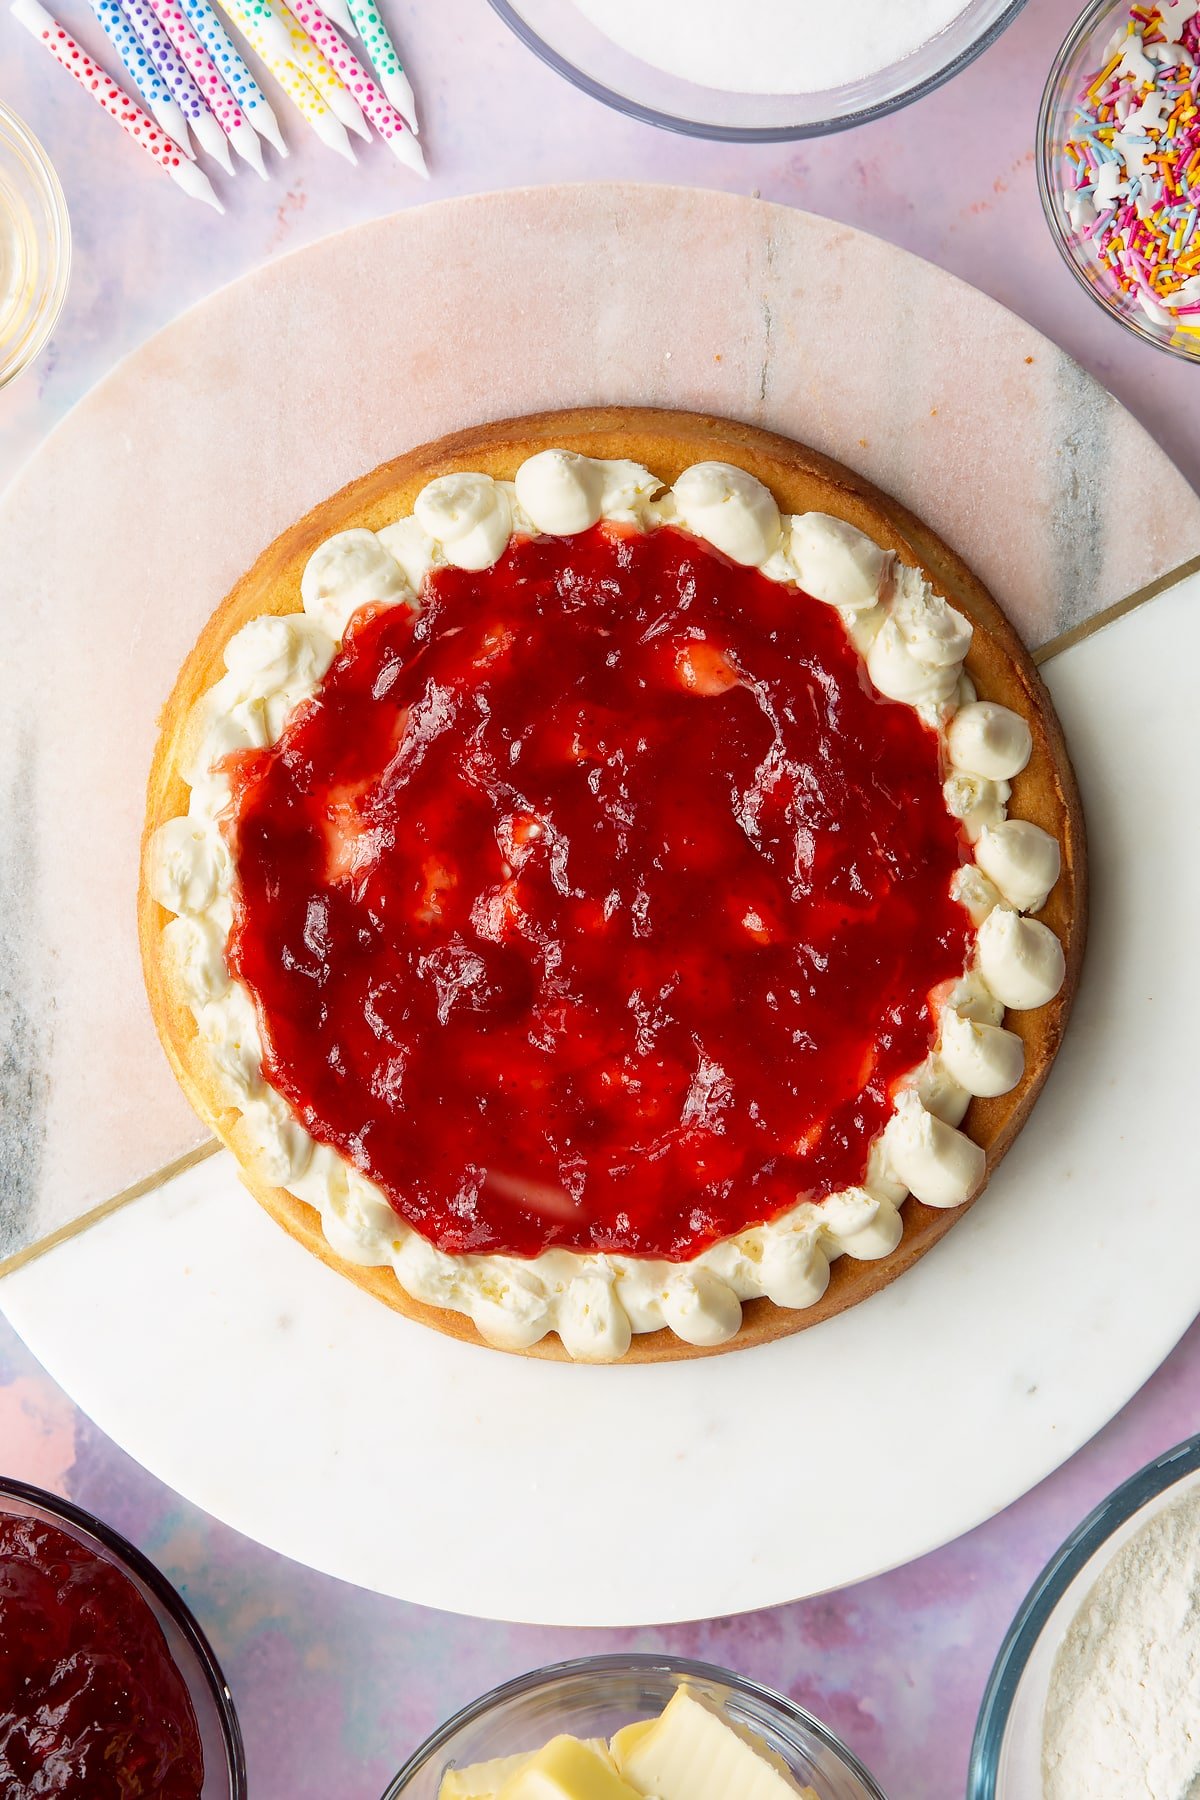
[{"x": 625, "y": 1727}]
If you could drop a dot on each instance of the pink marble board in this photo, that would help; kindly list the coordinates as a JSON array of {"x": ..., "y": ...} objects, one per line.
[{"x": 139, "y": 512}]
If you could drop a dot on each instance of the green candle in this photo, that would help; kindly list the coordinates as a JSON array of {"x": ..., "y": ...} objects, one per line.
[{"x": 383, "y": 54}]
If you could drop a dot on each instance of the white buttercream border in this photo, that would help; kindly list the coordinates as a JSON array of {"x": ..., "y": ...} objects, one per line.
[{"x": 914, "y": 646}]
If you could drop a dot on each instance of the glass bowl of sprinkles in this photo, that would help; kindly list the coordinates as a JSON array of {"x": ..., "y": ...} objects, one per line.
[{"x": 1119, "y": 164}]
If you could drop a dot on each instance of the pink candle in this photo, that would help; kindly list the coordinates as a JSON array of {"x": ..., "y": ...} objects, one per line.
[
  {"x": 208, "y": 79},
  {"x": 115, "y": 101},
  {"x": 374, "y": 102}
]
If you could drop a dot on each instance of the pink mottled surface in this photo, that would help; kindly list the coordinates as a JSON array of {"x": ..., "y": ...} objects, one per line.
[{"x": 334, "y": 1685}]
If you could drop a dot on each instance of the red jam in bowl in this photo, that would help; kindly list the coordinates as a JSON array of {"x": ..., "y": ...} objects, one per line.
[
  {"x": 91, "y": 1705},
  {"x": 598, "y": 903}
]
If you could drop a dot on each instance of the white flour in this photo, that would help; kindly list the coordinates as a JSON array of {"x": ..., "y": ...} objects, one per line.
[
  {"x": 1122, "y": 1718},
  {"x": 771, "y": 46}
]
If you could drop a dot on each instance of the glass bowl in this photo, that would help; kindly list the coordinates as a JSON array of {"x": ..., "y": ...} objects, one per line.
[
  {"x": 35, "y": 246},
  {"x": 1081, "y": 56},
  {"x": 596, "y": 1695},
  {"x": 565, "y": 39},
  {"x": 1006, "y": 1756},
  {"x": 220, "y": 1733}
]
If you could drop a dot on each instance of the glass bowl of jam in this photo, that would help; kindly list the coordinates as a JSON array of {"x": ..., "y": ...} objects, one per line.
[
  {"x": 596, "y": 1697},
  {"x": 108, "y": 1687}
]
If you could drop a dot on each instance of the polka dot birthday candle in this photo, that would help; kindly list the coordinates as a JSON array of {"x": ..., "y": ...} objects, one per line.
[
  {"x": 375, "y": 104},
  {"x": 266, "y": 24},
  {"x": 168, "y": 113},
  {"x": 298, "y": 88},
  {"x": 166, "y": 59},
  {"x": 116, "y": 103},
  {"x": 205, "y": 73},
  {"x": 234, "y": 73},
  {"x": 339, "y": 14},
  {"x": 306, "y": 57},
  {"x": 386, "y": 58}
]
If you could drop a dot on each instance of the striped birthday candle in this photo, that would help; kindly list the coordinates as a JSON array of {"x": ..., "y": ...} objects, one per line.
[
  {"x": 374, "y": 102},
  {"x": 97, "y": 82},
  {"x": 166, "y": 60},
  {"x": 207, "y": 76},
  {"x": 235, "y": 74},
  {"x": 385, "y": 57},
  {"x": 166, "y": 110}
]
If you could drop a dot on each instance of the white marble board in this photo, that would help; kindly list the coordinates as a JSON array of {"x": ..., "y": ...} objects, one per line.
[{"x": 296, "y": 1408}]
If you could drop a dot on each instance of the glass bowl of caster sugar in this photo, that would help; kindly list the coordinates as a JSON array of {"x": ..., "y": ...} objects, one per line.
[
  {"x": 760, "y": 70},
  {"x": 1096, "y": 1692}
]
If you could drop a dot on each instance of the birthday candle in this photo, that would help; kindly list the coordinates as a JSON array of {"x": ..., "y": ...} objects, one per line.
[
  {"x": 263, "y": 19},
  {"x": 339, "y": 12},
  {"x": 154, "y": 91},
  {"x": 207, "y": 76},
  {"x": 375, "y": 104},
  {"x": 298, "y": 88},
  {"x": 165, "y": 57},
  {"x": 116, "y": 102},
  {"x": 309, "y": 60},
  {"x": 386, "y": 58},
  {"x": 239, "y": 80}
]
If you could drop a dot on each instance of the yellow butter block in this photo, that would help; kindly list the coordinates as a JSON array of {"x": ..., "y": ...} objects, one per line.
[
  {"x": 628, "y": 1738},
  {"x": 692, "y": 1753},
  {"x": 567, "y": 1770},
  {"x": 481, "y": 1781}
]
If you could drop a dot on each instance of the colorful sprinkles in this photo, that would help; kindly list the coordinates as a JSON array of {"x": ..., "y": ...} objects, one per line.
[{"x": 1132, "y": 187}]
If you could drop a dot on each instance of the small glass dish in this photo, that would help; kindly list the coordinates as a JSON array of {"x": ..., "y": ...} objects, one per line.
[
  {"x": 35, "y": 247},
  {"x": 571, "y": 44},
  {"x": 1006, "y": 1755},
  {"x": 1081, "y": 55},
  {"x": 220, "y": 1733},
  {"x": 595, "y": 1695}
]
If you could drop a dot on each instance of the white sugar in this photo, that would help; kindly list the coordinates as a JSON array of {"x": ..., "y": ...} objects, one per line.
[{"x": 771, "y": 46}]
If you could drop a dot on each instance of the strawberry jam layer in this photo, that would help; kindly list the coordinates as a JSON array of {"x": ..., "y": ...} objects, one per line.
[
  {"x": 598, "y": 904},
  {"x": 91, "y": 1705}
]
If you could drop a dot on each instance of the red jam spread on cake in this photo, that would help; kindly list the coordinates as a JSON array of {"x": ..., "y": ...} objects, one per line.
[
  {"x": 91, "y": 1705},
  {"x": 597, "y": 904}
]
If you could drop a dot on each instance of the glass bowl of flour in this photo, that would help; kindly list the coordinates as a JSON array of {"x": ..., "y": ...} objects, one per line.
[
  {"x": 759, "y": 70},
  {"x": 1096, "y": 1692}
]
